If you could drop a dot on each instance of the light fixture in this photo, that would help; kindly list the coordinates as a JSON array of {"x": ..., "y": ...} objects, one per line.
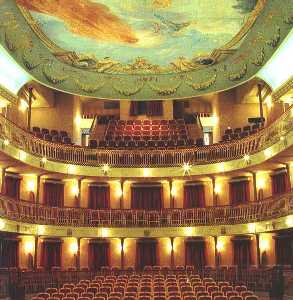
[
  {"x": 217, "y": 189},
  {"x": 44, "y": 160},
  {"x": 268, "y": 153},
  {"x": 189, "y": 231},
  {"x": 251, "y": 227},
  {"x": 186, "y": 167},
  {"x": 31, "y": 185},
  {"x": 173, "y": 190},
  {"x": 260, "y": 183},
  {"x": 106, "y": 168},
  {"x": 220, "y": 246},
  {"x": 221, "y": 167},
  {"x": 246, "y": 157},
  {"x": 289, "y": 221},
  {"x": 6, "y": 142},
  {"x": 2, "y": 224},
  {"x": 28, "y": 247},
  {"x": 75, "y": 189},
  {"x": 41, "y": 230},
  {"x": 146, "y": 172},
  {"x": 71, "y": 169},
  {"x": 105, "y": 232},
  {"x": 119, "y": 192},
  {"x": 264, "y": 245},
  {"x": 269, "y": 101},
  {"x": 73, "y": 248},
  {"x": 169, "y": 247},
  {"x": 282, "y": 138},
  {"x": 22, "y": 155}
]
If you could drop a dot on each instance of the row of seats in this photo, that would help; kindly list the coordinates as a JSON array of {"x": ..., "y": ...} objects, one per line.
[
  {"x": 148, "y": 287},
  {"x": 145, "y": 144},
  {"x": 238, "y": 133},
  {"x": 52, "y": 136}
]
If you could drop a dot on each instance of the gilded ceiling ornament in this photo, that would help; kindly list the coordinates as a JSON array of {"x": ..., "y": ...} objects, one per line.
[
  {"x": 200, "y": 86},
  {"x": 53, "y": 73},
  {"x": 166, "y": 87},
  {"x": 128, "y": 87},
  {"x": 90, "y": 85},
  {"x": 258, "y": 60},
  {"x": 31, "y": 58},
  {"x": 274, "y": 41},
  {"x": 234, "y": 76}
]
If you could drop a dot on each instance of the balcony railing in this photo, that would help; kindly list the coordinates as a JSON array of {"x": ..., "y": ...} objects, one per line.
[
  {"x": 147, "y": 158},
  {"x": 81, "y": 217}
]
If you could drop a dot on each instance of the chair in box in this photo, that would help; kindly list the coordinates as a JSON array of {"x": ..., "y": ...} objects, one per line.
[
  {"x": 240, "y": 288},
  {"x": 51, "y": 291},
  {"x": 226, "y": 289},
  {"x": 73, "y": 295},
  {"x": 43, "y": 295},
  {"x": 215, "y": 294},
  {"x": 58, "y": 296},
  {"x": 245, "y": 294}
]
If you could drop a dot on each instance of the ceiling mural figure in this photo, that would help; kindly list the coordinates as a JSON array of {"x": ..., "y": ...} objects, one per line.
[{"x": 146, "y": 36}]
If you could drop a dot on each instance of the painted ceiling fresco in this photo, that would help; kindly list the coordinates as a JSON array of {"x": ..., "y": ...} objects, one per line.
[
  {"x": 143, "y": 49},
  {"x": 140, "y": 35}
]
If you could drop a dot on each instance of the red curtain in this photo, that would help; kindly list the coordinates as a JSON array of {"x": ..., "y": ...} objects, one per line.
[
  {"x": 99, "y": 254},
  {"x": 99, "y": 197},
  {"x": 54, "y": 194},
  {"x": 194, "y": 196},
  {"x": 146, "y": 253},
  {"x": 51, "y": 254},
  {"x": 9, "y": 249},
  {"x": 12, "y": 186},
  {"x": 280, "y": 183},
  {"x": 146, "y": 197},
  {"x": 154, "y": 108},
  {"x": 239, "y": 192},
  {"x": 284, "y": 249},
  {"x": 242, "y": 252},
  {"x": 195, "y": 253}
]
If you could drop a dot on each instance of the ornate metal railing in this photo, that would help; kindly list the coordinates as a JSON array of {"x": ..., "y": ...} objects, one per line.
[
  {"x": 79, "y": 217},
  {"x": 147, "y": 158}
]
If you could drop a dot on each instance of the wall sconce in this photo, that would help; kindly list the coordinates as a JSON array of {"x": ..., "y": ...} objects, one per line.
[
  {"x": 251, "y": 228},
  {"x": 22, "y": 155},
  {"x": 43, "y": 161},
  {"x": 260, "y": 184},
  {"x": 119, "y": 192},
  {"x": 41, "y": 229},
  {"x": 186, "y": 168},
  {"x": 146, "y": 172},
  {"x": 173, "y": 190},
  {"x": 289, "y": 221},
  {"x": 75, "y": 189},
  {"x": 28, "y": 249},
  {"x": 220, "y": 246},
  {"x": 106, "y": 169},
  {"x": 31, "y": 189},
  {"x": 73, "y": 248},
  {"x": 264, "y": 246},
  {"x": 189, "y": 231}
]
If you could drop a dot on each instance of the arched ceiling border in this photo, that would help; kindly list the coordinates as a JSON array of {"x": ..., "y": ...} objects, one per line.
[{"x": 264, "y": 38}]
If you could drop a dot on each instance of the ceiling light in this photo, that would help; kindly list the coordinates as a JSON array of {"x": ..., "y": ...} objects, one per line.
[
  {"x": 105, "y": 168},
  {"x": 186, "y": 167},
  {"x": 246, "y": 157}
]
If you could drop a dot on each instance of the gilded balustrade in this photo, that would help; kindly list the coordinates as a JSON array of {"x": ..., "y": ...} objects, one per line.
[
  {"x": 81, "y": 217},
  {"x": 147, "y": 158}
]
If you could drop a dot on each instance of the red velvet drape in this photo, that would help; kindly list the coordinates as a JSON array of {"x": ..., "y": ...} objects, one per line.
[
  {"x": 284, "y": 249},
  {"x": 154, "y": 108},
  {"x": 98, "y": 255},
  {"x": 99, "y": 197},
  {"x": 146, "y": 197},
  {"x": 9, "y": 250},
  {"x": 242, "y": 252},
  {"x": 12, "y": 186},
  {"x": 194, "y": 196},
  {"x": 146, "y": 253},
  {"x": 53, "y": 194},
  {"x": 51, "y": 254},
  {"x": 239, "y": 192},
  {"x": 280, "y": 183},
  {"x": 195, "y": 254}
]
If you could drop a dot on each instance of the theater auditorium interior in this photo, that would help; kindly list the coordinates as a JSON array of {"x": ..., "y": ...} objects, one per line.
[{"x": 146, "y": 150}]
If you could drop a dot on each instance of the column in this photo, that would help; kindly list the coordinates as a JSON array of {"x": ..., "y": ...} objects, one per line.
[
  {"x": 36, "y": 253},
  {"x": 258, "y": 254},
  {"x": 172, "y": 196},
  {"x": 78, "y": 254},
  {"x": 172, "y": 251},
  {"x": 3, "y": 180},
  {"x": 217, "y": 260},
  {"x": 260, "y": 100},
  {"x": 79, "y": 192},
  {"x": 254, "y": 186},
  {"x": 122, "y": 253},
  {"x": 121, "y": 196},
  {"x": 38, "y": 189},
  {"x": 29, "y": 111},
  {"x": 288, "y": 176},
  {"x": 215, "y": 195}
]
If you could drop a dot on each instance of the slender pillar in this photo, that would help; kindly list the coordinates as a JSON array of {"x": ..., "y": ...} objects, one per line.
[
  {"x": 288, "y": 176},
  {"x": 215, "y": 195},
  {"x": 258, "y": 250},
  {"x": 260, "y": 100},
  {"x": 172, "y": 251},
  {"x": 172, "y": 200},
  {"x": 216, "y": 252},
  {"x": 122, "y": 253},
  {"x": 29, "y": 113},
  {"x": 122, "y": 192},
  {"x": 78, "y": 254},
  {"x": 36, "y": 252},
  {"x": 3, "y": 180},
  {"x": 254, "y": 186},
  {"x": 78, "y": 204},
  {"x": 38, "y": 189}
]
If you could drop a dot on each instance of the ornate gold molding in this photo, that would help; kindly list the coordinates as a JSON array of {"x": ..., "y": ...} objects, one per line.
[
  {"x": 5, "y": 94},
  {"x": 283, "y": 89}
]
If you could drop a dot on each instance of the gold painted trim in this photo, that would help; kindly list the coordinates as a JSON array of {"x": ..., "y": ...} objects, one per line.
[
  {"x": 8, "y": 96},
  {"x": 283, "y": 89}
]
